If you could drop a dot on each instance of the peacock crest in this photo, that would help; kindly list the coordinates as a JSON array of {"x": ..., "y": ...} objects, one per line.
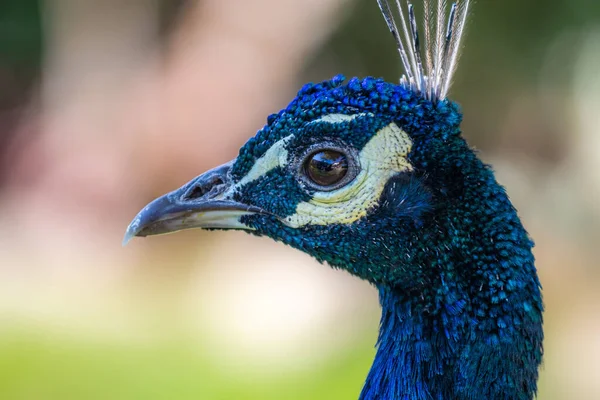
[{"x": 429, "y": 64}]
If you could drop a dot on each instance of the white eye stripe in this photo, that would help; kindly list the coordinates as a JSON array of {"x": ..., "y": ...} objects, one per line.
[
  {"x": 338, "y": 118},
  {"x": 277, "y": 154}
]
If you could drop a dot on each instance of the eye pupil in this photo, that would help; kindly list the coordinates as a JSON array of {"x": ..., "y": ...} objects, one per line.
[{"x": 327, "y": 167}]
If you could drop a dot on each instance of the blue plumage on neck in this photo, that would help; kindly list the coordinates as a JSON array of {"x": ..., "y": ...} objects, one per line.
[
  {"x": 445, "y": 357},
  {"x": 473, "y": 328},
  {"x": 412, "y": 356}
]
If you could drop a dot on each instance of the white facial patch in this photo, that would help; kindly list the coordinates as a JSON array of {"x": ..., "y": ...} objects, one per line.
[{"x": 382, "y": 157}]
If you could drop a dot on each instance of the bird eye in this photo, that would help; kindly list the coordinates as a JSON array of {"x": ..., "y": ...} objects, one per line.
[{"x": 326, "y": 167}]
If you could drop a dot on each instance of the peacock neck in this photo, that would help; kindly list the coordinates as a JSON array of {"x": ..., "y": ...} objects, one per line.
[
  {"x": 420, "y": 356},
  {"x": 468, "y": 324},
  {"x": 413, "y": 357}
]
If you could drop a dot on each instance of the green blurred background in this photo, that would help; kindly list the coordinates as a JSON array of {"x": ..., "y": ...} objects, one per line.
[{"x": 106, "y": 104}]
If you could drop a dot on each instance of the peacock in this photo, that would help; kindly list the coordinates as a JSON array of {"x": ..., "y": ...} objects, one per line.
[{"x": 376, "y": 179}]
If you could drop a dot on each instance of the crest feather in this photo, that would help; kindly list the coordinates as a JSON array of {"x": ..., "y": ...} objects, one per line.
[{"x": 443, "y": 29}]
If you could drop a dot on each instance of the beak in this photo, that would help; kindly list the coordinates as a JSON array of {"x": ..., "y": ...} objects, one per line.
[{"x": 200, "y": 203}]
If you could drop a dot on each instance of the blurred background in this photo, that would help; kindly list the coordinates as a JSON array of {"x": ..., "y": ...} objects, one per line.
[{"x": 105, "y": 105}]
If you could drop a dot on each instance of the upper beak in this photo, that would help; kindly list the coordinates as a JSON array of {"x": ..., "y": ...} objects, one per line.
[{"x": 199, "y": 203}]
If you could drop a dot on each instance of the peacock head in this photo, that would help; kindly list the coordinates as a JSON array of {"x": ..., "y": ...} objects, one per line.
[
  {"x": 375, "y": 178},
  {"x": 353, "y": 173}
]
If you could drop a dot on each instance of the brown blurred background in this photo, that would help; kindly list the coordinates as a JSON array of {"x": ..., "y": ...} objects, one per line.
[{"x": 106, "y": 104}]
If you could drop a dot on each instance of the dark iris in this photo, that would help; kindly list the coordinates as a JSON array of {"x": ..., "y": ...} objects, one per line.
[{"x": 326, "y": 167}]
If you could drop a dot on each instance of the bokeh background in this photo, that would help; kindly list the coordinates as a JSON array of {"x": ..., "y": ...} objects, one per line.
[{"x": 105, "y": 104}]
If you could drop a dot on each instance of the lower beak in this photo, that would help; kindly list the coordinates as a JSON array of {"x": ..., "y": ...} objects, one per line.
[{"x": 197, "y": 204}]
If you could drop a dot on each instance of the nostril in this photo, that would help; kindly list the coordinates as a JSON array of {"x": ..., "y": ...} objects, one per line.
[
  {"x": 203, "y": 188},
  {"x": 195, "y": 193}
]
